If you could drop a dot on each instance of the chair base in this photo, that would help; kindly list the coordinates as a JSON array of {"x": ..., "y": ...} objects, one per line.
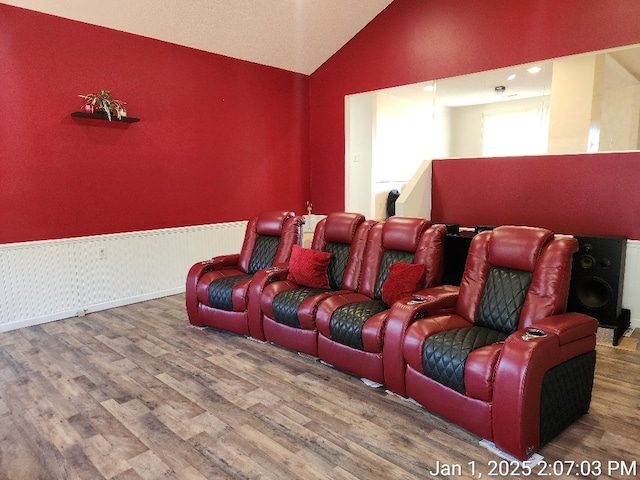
[
  {"x": 235, "y": 322},
  {"x": 362, "y": 364},
  {"x": 297, "y": 339}
]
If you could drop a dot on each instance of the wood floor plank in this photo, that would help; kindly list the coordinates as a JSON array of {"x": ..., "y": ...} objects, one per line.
[
  {"x": 230, "y": 454},
  {"x": 149, "y": 465},
  {"x": 99, "y": 451},
  {"x": 137, "y": 393}
]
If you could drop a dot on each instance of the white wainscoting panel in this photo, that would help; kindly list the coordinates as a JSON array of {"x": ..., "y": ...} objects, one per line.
[{"x": 49, "y": 280}]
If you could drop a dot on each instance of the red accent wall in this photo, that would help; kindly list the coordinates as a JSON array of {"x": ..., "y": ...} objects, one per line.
[
  {"x": 576, "y": 194},
  {"x": 219, "y": 139},
  {"x": 413, "y": 41}
]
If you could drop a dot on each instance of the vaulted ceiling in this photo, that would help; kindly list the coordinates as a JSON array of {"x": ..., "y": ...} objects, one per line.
[{"x": 295, "y": 35}]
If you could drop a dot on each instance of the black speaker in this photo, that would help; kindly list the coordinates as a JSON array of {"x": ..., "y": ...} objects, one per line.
[
  {"x": 597, "y": 277},
  {"x": 483, "y": 228},
  {"x": 456, "y": 249}
]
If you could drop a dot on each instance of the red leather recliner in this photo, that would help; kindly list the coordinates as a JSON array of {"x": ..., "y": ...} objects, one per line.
[
  {"x": 508, "y": 364},
  {"x": 351, "y": 326},
  {"x": 288, "y": 308},
  {"x": 217, "y": 290}
]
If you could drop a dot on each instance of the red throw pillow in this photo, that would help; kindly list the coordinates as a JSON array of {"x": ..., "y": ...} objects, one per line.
[
  {"x": 309, "y": 267},
  {"x": 403, "y": 280}
]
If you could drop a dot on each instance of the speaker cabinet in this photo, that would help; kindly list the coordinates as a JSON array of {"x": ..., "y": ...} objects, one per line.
[{"x": 597, "y": 277}]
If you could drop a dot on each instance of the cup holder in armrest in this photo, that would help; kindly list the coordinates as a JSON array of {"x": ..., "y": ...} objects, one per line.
[
  {"x": 532, "y": 333},
  {"x": 416, "y": 300}
]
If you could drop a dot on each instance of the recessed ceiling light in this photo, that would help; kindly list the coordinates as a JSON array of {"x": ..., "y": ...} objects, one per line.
[
  {"x": 534, "y": 69},
  {"x": 511, "y": 77},
  {"x": 429, "y": 88}
]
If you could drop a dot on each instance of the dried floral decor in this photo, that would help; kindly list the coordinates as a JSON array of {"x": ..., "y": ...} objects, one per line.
[{"x": 102, "y": 102}]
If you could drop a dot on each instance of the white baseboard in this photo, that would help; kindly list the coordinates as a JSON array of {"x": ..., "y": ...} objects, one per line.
[{"x": 86, "y": 310}]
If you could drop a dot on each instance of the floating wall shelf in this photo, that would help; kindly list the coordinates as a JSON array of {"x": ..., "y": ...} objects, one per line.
[{"x": 103, "y": 116}]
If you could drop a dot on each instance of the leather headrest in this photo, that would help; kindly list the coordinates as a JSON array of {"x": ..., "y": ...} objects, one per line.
[
  {"x": 270, "y": 223},
  {"x": 342, "y": 226},
  {"x": 517, "y": 247},
  {"x": 403, "y": 233}
]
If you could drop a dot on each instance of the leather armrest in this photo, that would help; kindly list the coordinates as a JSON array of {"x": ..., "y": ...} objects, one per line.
[
  {"x": 194, "y": 275},
  {"x": 434, "y": 300},
  {"x": 526, "y": 358},
  {"x": 568, "y": 327},
  {"x": 259, "y": 281},
  {"x": 427, "y": 302},
  {"x": 283, "y": 267},
  {"x": 221, "y": 261}
]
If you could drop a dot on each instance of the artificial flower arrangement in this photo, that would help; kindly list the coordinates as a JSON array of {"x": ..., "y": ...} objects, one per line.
[{"x": 102, "y": 102}]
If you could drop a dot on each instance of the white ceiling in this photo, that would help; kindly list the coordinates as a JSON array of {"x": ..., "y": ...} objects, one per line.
[
  {"x": 295, "y": 35},
  {"x": 480, "y": 88}
]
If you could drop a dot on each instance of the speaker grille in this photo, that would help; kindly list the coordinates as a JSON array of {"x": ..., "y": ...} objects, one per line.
[{"x": 597, "y": 277}]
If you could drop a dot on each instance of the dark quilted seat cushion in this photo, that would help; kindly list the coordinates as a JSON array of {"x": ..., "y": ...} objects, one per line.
[
  {"x": 286, "y": 304},
  {"x": 347, "y": 321},
  {"x": 444, "y": 354},
  {"x": 502, "y": 299},
  {"x": 220, "y": 291}
]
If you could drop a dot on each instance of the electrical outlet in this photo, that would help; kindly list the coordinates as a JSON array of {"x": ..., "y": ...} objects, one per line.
[{"x": 102, "y": 253}]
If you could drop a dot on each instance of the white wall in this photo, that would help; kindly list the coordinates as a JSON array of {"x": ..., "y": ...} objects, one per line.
[
  {"x": 387, "y": 139},
  {"x": 618, "y": 102},
  {"x": 571, "y": 104},
  {"x": 359, "y": 135},
  {"x": 400, "y": 145},
  {"x": 467, "y": 123},
  {"x": 415, "y": 199}
]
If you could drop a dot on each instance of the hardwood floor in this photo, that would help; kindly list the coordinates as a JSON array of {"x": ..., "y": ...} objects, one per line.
[{"x": 134, "y": 392}]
